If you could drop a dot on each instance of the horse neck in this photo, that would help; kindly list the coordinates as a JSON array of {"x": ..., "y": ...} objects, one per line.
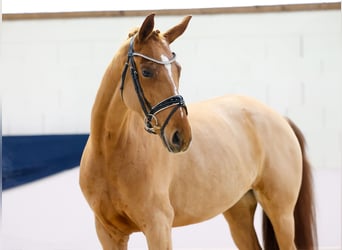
[{"x": 110, "y": 117}]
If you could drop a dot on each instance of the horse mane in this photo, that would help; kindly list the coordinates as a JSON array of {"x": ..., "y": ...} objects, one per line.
[
  {"x": 136, "y": 30},
  {"x": 133, "y": 32}
]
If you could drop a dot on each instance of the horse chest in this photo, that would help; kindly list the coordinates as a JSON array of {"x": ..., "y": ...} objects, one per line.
[{"x": 108, "y": 204}]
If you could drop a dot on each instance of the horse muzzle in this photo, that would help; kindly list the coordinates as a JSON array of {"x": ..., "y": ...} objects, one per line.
[
  {"x": 179, "y": 141},
  {"x": 177, "y": 135}
]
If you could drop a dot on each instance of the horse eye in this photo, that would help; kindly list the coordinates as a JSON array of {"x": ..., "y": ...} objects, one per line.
[{"x": 147, "y": 73}]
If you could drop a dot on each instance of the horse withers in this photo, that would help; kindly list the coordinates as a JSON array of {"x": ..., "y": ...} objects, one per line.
[{"x": 218, "y": 156}]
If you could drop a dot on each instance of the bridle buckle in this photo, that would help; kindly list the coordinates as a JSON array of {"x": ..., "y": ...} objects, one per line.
[{"x": 151, "y": 124}]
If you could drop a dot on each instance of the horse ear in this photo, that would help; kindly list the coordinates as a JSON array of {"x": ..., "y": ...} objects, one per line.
[
  {"x": 146, "y": 28},
  {"x": 177, "y": 30}
]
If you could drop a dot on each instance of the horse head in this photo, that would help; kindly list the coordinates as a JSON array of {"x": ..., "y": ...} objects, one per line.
[{"x": 150, "y": 81}]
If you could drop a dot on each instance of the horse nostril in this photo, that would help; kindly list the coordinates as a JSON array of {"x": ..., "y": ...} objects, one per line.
[{"x": 176, "y": 139}]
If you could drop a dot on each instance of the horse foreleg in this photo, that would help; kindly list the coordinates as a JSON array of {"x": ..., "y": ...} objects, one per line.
[
  {"x": 111, "y": 240},
  {"x": 240, "y": 218},
  {"x": 157, "y": 229}
]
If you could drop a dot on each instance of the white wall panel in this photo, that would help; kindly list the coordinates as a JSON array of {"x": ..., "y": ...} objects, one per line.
[{"x": 51, "y": 69}]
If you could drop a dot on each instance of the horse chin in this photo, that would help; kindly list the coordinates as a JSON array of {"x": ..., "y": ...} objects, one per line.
[{"x": 175, "y": 150}]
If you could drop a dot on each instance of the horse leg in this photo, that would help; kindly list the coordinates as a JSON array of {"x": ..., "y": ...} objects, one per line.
[
  {"x": 240, "y": 218},
  {"x": 283, "y": 225},
  {"x": 113, "y": 240},
  {"x": 278, "y": 195},
  {"x": 158, "y": 232}
]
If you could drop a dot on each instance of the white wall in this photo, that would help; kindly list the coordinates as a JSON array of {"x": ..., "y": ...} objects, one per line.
[{"x": 51, "y": 69}]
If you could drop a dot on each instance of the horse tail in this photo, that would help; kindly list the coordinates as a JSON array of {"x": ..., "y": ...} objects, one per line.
[
  {"x": 270, "y": 242},
  {"x": 304, "y": 213}
]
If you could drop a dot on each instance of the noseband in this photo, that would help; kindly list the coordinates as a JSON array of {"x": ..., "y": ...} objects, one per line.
[{"x": 176, "y": 101}]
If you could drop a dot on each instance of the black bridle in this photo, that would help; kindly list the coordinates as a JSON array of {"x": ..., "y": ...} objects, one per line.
[{"x": 176, "y": 101}]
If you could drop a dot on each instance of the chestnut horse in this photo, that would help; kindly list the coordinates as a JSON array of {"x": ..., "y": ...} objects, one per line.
[{"x": 241, "y": 153}]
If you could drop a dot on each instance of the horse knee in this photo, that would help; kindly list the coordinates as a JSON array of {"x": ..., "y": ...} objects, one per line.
[
  {"x": 111, "y": 239},
  {"x": 157, "y": 229}
]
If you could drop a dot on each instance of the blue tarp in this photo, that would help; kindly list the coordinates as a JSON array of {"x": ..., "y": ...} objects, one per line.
[{"x": 29, "y": 158}]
